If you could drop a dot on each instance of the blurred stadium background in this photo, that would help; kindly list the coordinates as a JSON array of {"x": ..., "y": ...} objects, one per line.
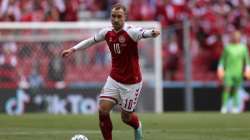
[{"x": 34, "y": 78}]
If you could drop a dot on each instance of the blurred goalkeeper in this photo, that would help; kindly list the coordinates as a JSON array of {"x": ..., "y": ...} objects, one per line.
[
  {"x": 124, "y": 84},
  {"x": 230, "y": 70}
]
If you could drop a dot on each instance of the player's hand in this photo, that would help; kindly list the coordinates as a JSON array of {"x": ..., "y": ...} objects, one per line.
[
  {"x": 68, "y": 52},
  {"x": 220, "y": 73},
  {"x": 247, "y": 73},
  {"x": 155, "y": 32}
]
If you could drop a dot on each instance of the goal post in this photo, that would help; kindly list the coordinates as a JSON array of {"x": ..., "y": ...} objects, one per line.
[{"x": 65, "y": 34}]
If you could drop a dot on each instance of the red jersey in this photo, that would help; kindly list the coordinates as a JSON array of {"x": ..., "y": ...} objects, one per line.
[{"x": 124, "y": 52}]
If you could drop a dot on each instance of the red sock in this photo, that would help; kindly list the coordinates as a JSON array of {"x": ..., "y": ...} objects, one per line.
[
  {"x": 105, "y": 126},
  {"x": 134, "y": 121}
]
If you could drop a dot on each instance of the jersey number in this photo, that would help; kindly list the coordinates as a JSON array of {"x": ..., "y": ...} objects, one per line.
[
  {"x": 117, "y": 48},
  {"x": 128, "y": 104}
]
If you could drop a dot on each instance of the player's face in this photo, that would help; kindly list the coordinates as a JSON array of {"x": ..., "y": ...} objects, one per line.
[
  {"x": 117, "y": 18},
  {"x": 236, "y": 37}
]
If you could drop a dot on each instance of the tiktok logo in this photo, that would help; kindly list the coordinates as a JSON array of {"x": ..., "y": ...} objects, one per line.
[{"x": 16, "y": 105}]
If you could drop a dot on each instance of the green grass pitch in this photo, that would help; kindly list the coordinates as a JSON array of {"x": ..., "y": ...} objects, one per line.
[{"x": 167, "y": 126}]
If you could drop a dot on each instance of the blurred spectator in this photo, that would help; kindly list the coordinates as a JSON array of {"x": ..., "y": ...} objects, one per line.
[
  {"x": 171, "y": 64},
  {"x": 216, "y": 48},
  {"x": 24, "y": 51},
  {"x": 35, "y": 79},
  {"x": 10, "y": 10},
  {"x": 52, "y": 15},
  {"x": 56, "y": 68},
  {"x": 70, "y": 12},
  {"x": 22, "y": 81},
  {"x": 100, "y": 55},
  {"x": 141, "y": 10},
  {"x": 8, "y": 64},
  {"x": 8, "y": 58},
  {"x": 59, "y": 5}
]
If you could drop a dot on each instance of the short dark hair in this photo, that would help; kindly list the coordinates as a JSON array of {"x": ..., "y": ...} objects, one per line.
[{"x": 118, "y": 6}]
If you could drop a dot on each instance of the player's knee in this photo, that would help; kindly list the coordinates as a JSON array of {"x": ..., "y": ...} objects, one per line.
[
  {"x": 125, "y": 117},
  {"x": 104, "y": 108},
  {"x": 103, "y": 112}
]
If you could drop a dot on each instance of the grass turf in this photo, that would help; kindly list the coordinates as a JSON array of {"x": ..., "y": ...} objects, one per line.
[{"x": 168, "y": 126}]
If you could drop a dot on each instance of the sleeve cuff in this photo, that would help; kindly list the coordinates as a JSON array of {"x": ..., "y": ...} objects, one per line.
[{"x": 147, "y": 33}]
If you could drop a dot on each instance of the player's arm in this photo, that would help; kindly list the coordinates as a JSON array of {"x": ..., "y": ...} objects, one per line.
[
  {"x": 247, "y": 67},
  {"x": 140, "y": 33},
  {"x": 149, "y": 33},
  {"x": 82, "y": 45},
  {"x": 85, "y": 43},
  {"x": 220, "y": 69}
]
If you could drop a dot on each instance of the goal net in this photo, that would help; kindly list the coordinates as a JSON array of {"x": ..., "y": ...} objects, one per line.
[{"x": 30, "y": 59}]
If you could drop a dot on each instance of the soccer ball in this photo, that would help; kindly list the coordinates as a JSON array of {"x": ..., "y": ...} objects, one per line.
[{"x": 79, "y": 137}]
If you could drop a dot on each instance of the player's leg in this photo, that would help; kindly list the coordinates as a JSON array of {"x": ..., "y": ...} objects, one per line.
[
  {"x": 131, "y": 119},
  {"x": 225, "y": 99},
  {"x": 235, "y": 100},
  {"x": 226, "y": 94},
  {"x": 237, "y": 83},
  {"x": 107, "y": 99},
  {"x": 129, "y": 98},
  {"x": 105, "y": 123}
]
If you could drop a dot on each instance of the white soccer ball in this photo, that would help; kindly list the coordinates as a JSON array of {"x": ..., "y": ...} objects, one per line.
[{"x": 79, "y": 137}]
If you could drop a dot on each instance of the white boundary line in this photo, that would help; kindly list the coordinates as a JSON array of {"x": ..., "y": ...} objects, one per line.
[{"x": 50, "y": 132}]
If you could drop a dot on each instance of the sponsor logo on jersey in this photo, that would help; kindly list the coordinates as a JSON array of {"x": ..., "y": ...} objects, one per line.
[{"x": 121, "y": 39}]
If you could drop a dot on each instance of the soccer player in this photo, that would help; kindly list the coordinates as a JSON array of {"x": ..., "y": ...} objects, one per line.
[
  {"x": 233, "y": 59},
  {"x": 124, "y": 84}
]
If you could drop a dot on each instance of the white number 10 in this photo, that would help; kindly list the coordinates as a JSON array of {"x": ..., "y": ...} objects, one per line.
[{"x": 117, "y": 48}]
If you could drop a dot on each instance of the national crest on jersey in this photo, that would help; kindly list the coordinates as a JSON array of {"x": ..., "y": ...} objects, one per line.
[{"x": 122, "y": 39}]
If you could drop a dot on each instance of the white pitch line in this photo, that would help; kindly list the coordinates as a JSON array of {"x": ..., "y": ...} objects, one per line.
[{"x": 51, "y": 132}]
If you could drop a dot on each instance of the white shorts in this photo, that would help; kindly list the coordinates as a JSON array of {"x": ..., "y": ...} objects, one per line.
[{"x": 118, "y": 93}]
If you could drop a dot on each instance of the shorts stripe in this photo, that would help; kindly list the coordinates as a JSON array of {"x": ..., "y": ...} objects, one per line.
[
  {"x": 109, "y": 98},
  {"x": 106, "y": 90}
]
